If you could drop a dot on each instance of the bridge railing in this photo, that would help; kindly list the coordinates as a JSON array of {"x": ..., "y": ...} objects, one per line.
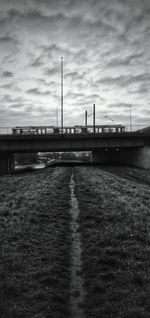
[{"x": 128, "y": 128}]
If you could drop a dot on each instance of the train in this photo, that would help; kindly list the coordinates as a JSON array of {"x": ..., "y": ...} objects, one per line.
[{"x": 53, "y": 130}]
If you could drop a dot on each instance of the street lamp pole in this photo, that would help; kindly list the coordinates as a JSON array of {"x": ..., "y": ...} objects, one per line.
[
  {"x": 85, "y": 118},
  {"x": 57, "y": 116},
  {"x": 94, "y": 118},
  {"x": 130, "y": 118},
  {"x": 62, "y": 95}
]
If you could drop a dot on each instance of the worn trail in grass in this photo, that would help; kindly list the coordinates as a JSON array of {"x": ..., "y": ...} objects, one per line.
[
  {"x": 115, "y": 235},
  {"x": 36, "y": 245},
  {"x": 44, "y": 272},
  {"x": 77, "y": 290}
]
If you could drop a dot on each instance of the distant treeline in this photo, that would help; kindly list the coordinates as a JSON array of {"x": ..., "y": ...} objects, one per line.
[
  {"x": 34, "y": 158},
  {"x": 26, "y": 158}
]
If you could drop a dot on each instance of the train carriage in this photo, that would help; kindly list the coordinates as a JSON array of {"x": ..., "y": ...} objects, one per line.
[{"x": 50, "y": 130}]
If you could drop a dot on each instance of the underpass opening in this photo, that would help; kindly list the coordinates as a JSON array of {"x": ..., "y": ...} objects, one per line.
[{"x": 31, "y": 161}]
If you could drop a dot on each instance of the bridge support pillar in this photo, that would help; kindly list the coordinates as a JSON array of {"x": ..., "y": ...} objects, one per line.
[
  {"x": 139, "y": 157},
  {"x": 6, "y": 163}
]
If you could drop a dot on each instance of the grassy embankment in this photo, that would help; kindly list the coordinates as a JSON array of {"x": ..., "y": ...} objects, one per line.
[
  {"x": 36, "y": 240},
  {"x": 115, "y": 234}
]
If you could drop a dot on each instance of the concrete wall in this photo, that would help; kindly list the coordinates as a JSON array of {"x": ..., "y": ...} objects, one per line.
[
  {"x": 139, "y": 157},
  {"x": 78, "y": 142},
  {"x": 6, "y": 163}
]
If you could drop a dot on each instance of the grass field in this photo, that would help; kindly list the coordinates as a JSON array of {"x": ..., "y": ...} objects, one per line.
[
  {"x": 35, "y": 231},
  {"x": 115, "y": 233},
  {"x": 36, "y": 238}
]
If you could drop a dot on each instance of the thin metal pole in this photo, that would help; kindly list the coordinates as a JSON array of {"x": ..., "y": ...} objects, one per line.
[
  {"x": 57, "y": 116},
  {"x": 94, "y": 118},
  {"x": 62, "y": 95},
  {"x": 130, "y": 119},
  {"x": 85, "y": 118}
]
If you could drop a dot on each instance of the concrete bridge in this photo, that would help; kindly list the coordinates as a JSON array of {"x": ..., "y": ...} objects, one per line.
[{"x": 128, "y": 148}]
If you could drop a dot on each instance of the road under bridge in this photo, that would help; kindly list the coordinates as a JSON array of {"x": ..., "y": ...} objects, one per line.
[{"x": 128, "y": 148}]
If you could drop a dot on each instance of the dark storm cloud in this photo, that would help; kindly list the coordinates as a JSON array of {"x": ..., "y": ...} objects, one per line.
[
  {"x": 75, "y": 95},
  {"x": 37, "y": 62},
  {"x": 44, "y": 83},
  {"x": 143, "y": 89},
  {"x": 7, "y": 39},
  {"x": 81, "y": 57},
  {"x": 50, "y": 52},
  {"x": 125, "y": 60},
  {"x": 11, "y": 99},
  {"x": 7, "y": 74},
  {"x": 11, "y": 86},
  {"x": 33, "y": 16},
  {"x": 51, "y": 71},
  {"x": 7, "y": 86},
  {"x": 124, "y": 80},
  {"x": 75, "y": 75},
  {"x": 36, "y": 91}
]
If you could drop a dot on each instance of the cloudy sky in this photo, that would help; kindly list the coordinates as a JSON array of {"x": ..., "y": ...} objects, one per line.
[{"x": 106, "y": 49}]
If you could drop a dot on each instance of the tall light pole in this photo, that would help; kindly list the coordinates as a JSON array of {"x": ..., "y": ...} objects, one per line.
[
  {"x": 62, "y": 97},
  {"x": 94, "y": 118},
  {"x": 85, "y": 118},
  {"x": 57, "y": 116},
  {"x": 130, "y": 118}
]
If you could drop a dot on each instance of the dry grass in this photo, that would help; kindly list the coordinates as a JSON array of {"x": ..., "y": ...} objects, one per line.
[
  {"x": 36, "y": 244},
  {"x": 115, "y": 233},
  {"x": 36, "y": 239}
]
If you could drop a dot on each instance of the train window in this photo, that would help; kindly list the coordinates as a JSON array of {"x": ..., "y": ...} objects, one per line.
[
  {"x": 69, "y": 130},
  {"x": 49, "y": 130},
  {"x": 89, "y": 130},
  {"x": 106, "y": 130},
  {"x": 16, "y": 131},
  {"x": 84, "y": 130},
  {"x": 77, "y": 130},
  {"x": 56, "y": 130},
  {"x": 97, "y": 130}
]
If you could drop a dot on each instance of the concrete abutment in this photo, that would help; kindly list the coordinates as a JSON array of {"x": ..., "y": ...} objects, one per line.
[
  {"x": 139, "y": 157},
  {"x": 6, "y": 163}
]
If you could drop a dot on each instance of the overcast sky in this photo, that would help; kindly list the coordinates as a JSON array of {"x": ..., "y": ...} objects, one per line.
[{"x": 106, "y": 49}]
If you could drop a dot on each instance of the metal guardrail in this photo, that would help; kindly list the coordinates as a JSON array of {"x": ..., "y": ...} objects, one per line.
[{"x": 128, "y": 128}]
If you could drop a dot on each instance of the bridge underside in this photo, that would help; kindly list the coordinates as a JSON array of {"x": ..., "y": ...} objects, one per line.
[
  {"x": 134, "y": 156},
  {"x": 139, "y": 157}
]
